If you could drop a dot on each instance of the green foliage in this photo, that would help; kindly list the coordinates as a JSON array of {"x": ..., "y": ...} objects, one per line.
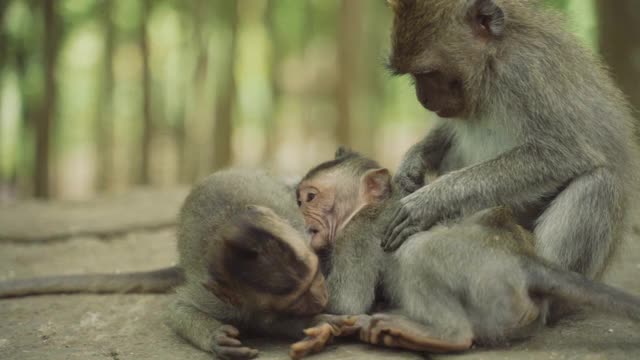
[
  {"x": 560, "y": 4},
  {"x": 284, "y": 91}
]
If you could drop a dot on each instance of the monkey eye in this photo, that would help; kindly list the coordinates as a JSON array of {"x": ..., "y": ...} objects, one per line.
[
  {"x": 310, "y": 196},
  {"x": 299, "y": 203}
]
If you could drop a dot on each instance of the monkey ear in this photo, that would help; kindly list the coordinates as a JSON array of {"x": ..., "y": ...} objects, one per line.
[
  {"x": 486, "y": 18},
  {"x": 377, "y": 184},
  {"x": 494, "y": 217}
]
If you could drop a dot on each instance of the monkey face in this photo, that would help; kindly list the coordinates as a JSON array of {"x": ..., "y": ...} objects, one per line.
[
  {"x": 332, "y": 193},
  {"x": 266, "y": 265},
  {"x": 445, "y": 46},
  {"x": 440, "y": 93},
  {"x": 316, "y": 198}
]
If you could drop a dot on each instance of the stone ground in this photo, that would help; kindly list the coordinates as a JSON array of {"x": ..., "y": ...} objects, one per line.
[{"x": 135, "y": 232}]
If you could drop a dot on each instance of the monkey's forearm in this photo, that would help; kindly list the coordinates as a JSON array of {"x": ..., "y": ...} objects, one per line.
[
  {"x": 434, "y": 146},
  {"x": 430, "y": 150},
  {"x": 193, "y": 325},
  {"x": 522, "y": 174},
  {"x": 422, "y": 158}
]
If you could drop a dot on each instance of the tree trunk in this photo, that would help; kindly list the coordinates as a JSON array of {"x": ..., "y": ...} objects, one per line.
[
  {"x": 225, "y": 103},
  {"x": 47, "y": 113},
  {"x": 620, "y": 45},
  {"x": 191, "y": 158},
  {"x": 271, "y": 123},
  {"x": 105, "y": 131},
  {"x": 347, "y": 57},
  {"x": 3, "y": 39},
  {"x": 147, "y": 127},
  {"x": 373, "y": 80}
]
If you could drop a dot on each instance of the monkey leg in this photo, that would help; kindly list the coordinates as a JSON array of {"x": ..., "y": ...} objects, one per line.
[
  {"x": 579, "y": 230},
  {"x": 517, "y": 317},
  {"x": 207, "y": 333},
  {"x": 326, "y": 329},
  {"x": 398, "y": 331}
]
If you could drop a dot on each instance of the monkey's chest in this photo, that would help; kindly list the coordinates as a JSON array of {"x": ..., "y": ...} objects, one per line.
[{"x": 476, "y": 144}]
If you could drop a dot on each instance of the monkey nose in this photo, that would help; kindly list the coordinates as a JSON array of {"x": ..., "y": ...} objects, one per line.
[{"x": 423, "y": 97}]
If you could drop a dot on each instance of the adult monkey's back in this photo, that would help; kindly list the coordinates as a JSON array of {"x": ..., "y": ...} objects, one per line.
[{"x": 528, "y": 118}]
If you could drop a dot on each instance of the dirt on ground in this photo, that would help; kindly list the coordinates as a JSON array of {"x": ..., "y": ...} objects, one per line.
[{"x": 123, "y": 327}]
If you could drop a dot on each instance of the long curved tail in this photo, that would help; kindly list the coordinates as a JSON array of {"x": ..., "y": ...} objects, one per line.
[
  {"x": 550, "y": 280},
  {"x": 155, "y": 281}
]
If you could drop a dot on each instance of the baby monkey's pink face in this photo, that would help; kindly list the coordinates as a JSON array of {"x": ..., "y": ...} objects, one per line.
[
  {"x": 335, "y": 191},
  {"x": 266, "y": 265},
  {"x": 316, "y": 199}
]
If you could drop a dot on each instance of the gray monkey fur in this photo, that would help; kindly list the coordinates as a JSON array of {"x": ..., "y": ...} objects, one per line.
[{"x": 549, "y": 135}]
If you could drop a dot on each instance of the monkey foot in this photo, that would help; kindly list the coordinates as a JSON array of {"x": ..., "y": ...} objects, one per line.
[
  {"x": 226, "y": 345},
  {"x": 399, "y": 332},
  {"x": 319, "y": 336}
]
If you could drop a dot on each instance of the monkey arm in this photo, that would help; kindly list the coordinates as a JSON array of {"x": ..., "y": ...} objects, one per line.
[
  {"x": 515, "y": 177},
  {"x": 423, "y": 157},
  {"x": 206, "y": 332}
]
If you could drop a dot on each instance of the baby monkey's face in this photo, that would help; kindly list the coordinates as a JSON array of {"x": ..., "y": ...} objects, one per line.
[{"x": 266, "y": 265}]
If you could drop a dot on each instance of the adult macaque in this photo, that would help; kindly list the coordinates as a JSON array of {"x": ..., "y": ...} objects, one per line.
[
  {"x": 527, "y": 118},
  {"x": 475, "y": 280}
]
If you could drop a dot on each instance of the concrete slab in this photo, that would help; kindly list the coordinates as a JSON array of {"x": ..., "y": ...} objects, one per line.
[
  {"x": 120, "y": 327},
  {"x": 33, "y": 221}
]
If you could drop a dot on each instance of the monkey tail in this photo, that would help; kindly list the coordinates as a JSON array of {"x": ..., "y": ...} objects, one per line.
[
  {"x": 547, "y": 279},
  {"x": 155, "y": 281}
]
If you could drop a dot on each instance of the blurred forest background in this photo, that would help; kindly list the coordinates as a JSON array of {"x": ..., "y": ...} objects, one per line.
[{"x": 98, "y": 96}]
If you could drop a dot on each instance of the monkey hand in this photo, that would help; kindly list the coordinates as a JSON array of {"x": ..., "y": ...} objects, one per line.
[
  {"x": 414, "y": 215},
  {"x": 410, "y": 176},
  {"x": 226, "y": 345},
  {"x": 326, "y": 328},
  {"x": 396, "y": 331}
]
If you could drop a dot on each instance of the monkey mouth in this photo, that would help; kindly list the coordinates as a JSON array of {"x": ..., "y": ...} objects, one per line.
[
  {"x": 442, "y": 112},
  {"x": 445, "y": 113}
]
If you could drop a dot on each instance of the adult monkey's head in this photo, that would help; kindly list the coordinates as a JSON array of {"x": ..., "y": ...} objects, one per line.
[
  {"x": 331, "y": 193},
  {"x": 448, "y": 47}
]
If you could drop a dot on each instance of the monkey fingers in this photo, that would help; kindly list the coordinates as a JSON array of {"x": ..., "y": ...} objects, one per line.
[
  {"x": 226, "y": 346},
  {"x": 401, "y": 220},
  {"x": 323, "y": 334},
  {"x": 400, "y": 235},
  {"x": 317, "y": 338},
  {"x": 408, "y": 183},
  {"x": 400, "y": 332}
]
